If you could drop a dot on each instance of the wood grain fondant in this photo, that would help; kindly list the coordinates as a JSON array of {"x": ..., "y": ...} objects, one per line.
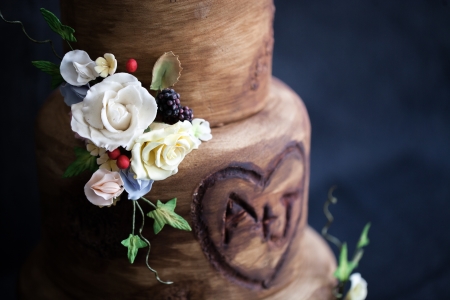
[
  {"x": 243, "y": 210},
  {"x": 80, "y": 253},
  {"x": 225, "y": 47}
]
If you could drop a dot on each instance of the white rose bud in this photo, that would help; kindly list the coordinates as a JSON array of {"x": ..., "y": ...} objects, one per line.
[{"x": 358, "y": 289}]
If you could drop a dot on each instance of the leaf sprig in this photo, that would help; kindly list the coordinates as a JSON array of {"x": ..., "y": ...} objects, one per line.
[{"x": 84, "y": 161}]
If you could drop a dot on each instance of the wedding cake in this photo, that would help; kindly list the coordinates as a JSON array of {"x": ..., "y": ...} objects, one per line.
[{"x": 244, "y": 192}]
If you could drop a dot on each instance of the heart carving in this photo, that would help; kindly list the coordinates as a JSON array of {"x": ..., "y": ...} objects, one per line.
[{"x": 245, "y": 218}]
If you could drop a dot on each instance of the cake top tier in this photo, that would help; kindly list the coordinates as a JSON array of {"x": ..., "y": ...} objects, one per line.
[{"x": 225, "y": 47}]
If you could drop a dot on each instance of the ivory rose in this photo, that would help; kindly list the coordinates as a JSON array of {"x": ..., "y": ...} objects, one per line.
[
  {"x": 103, "y": 187},
  {"x": 77, "y": 68},
  {"x": 114, "y": 112},
  {"x": 157, "y": 154}
]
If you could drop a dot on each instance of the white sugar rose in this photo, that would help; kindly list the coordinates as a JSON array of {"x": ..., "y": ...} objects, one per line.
[
  {"x": 115, "y": 112},
  {"x": 157, "y": 154},
  {"x": 77, "y": 68},
  {"x": 358, "y": 289}
]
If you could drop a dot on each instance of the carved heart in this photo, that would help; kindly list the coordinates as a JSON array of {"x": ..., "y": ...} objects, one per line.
[{"x": 245, "y": 218}]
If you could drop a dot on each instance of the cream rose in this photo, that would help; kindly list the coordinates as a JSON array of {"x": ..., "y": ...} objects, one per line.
[
  {"x": 157, "y": 154},
  {"x": 103, "y": 187},
  {"x": 115, "y": 112}
]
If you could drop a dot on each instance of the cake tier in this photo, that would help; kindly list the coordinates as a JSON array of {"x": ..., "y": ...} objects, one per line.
[
  {"x": 244, "y": 193},
  {"x": 225, "y": 47}
]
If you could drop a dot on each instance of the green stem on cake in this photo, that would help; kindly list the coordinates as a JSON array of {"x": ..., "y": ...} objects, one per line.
[
  {"x": 148, "y": 243},
  {"x": 134, "y": 216},
  {"x": 149, "y": 202},
  {"x": 331, "y": 200},
  {"x": 69, "y": 45},
  {"x": 31, "y": 39}
]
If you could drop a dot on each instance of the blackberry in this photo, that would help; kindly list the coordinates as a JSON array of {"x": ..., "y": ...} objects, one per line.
[
  {"x": 186, "y": 114},
  {"x": 170, "y": 108},
  {"x": 168, "y": 102}
]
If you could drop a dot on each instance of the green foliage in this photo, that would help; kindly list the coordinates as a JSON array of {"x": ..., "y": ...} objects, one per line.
[
  {"x": 345, "y": 267},
  {"x": 51, "y": 69},
  {"x": 166, "y": 71},
  {"x": 66, "y": 32},
  {"x": 164, "y": 214},
  {"x": 84, "y": 161},
  {"x": 364, "y": 239},
  {"x": 133, "y": 243}
]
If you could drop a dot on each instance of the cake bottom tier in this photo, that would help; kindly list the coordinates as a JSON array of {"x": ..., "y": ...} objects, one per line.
[
  {"x": 313, "y": 279},
  {"x": 244, "y": 193}
]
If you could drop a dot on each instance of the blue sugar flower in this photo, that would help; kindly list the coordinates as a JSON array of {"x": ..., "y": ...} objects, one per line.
[
  {"x": 73, "y": 94},
  {"x": 135, "y": 188}
]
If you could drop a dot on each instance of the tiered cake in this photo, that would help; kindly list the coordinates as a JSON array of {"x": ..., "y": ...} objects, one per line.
[{"x": 244, "y": 193}]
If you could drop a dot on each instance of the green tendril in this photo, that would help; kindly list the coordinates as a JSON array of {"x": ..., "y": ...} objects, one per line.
[
  {"x": 331, "y": 200},
  {"x": 31, "y": 39},
  {"x": 148, "y": 243},
  {"x": 149, "y": 202},
  {"x": 69, "y": 45},
  {"x": 134, "y": 216}
]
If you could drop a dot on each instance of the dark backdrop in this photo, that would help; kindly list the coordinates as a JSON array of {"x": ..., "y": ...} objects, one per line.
[{"x": 375, "y": 77}]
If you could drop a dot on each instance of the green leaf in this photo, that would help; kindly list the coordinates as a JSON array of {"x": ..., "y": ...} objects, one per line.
[
  {"x": 364, "y": 239},
  {"x": 355, "y": 261},
  {"x": 342, "y": 272},
  {"x": 66, "y": 32},
  {"x": 133, "y": 243},
  {"x": 164, "y": 214},
  {"x": 51, "y": 69},
  {"x": 166, "y": 71},
  {"x": 84, "y": 161}
]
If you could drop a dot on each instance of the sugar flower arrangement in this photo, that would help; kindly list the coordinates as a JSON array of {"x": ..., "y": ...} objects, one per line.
[{"x": 125, "y": 148}]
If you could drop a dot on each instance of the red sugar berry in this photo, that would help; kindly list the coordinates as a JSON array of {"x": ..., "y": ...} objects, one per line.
[
  {"x": 113, "y": 154},
  {"x": 131, "y": 65},
  {"x": 123, "y": 162}
]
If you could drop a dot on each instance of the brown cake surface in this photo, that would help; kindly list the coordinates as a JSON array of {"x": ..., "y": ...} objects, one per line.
[{"x": 244, "y": 193}]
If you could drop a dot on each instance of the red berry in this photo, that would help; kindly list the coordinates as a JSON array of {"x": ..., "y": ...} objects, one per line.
[
  {"x": 123, "y": 162},
  {"x": 131, "y": 65},
  {"x": 113, "y": 154}
]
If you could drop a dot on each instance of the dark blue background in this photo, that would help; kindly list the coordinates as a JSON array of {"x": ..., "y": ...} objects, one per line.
[{"x": 375, "y": 77}]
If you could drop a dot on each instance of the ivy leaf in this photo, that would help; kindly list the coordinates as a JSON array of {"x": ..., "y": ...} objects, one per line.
[
  {"x": 364, "y": 239},
  {"x": 166, "y": 71},
  {"x": 51, "y": 69},
  {"x": 66, "y": 32},
  {"x": 84, "y": 161},
  {"x": 133, "y": 243},
  {"x": 164, "y": 214}
]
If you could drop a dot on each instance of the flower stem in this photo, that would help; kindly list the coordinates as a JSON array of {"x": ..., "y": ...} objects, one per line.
[
  {"x": 31, "y": 39},
  {"x": 69, "y": 45},
  {"x": 134, "y": 216},
  {"x": 149, "y": 246},
  {"x": 149, "y": 202}
]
